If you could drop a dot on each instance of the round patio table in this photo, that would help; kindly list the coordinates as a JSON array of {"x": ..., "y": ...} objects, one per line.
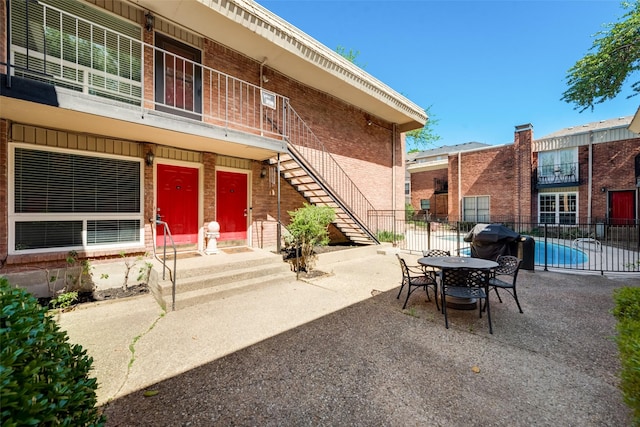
[{"x": 453, "y": 262}]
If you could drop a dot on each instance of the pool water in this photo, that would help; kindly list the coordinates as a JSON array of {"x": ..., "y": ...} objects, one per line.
[
  {"x": 556, "y": 254},
  {"x": 559, "y": 254}
]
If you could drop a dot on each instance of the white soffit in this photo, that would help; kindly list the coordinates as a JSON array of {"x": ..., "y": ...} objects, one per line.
[{"x": 634, "y": 126}]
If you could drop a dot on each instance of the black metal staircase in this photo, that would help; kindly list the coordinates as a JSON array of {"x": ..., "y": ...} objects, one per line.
[{"x": 316, "y": 175}]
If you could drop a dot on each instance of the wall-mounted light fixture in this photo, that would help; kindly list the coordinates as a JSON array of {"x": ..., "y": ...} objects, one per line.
[
  {"x": 148, "y": 158},
  {"x": 263, "y": 172},
  {"x": 603, "y": 189},
  {"x": 148, "y": 21}
]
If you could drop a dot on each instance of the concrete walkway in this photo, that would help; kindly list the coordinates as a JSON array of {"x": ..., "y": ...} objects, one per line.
[{"x": 338, "y": 350}]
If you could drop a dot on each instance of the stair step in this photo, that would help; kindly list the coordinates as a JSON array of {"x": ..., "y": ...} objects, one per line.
[
  {"x": 207, "y": 280},
  {"x": 218, "y": 292}
]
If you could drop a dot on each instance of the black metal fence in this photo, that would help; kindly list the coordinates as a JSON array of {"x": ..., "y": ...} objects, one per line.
[{"x": 599, "y": 246}]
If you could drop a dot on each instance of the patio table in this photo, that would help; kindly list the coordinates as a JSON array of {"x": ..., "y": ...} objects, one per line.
[{"x": 453, "y": 262}]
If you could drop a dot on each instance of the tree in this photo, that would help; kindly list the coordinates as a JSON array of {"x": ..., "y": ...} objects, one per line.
[
  {"x": 600, "y": 75},
  {"x": 420, "y": 139},
  {"x": 350, "y": 55}
]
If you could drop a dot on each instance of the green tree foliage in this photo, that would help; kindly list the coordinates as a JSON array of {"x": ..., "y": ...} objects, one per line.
[
  {"x": 600, "y": 75},
  {"x": 309, "y": 227},
  {"x": 420, "y": 139},
  {"x": 44, "y": 380},
  {"x": 350, "y": 55}
]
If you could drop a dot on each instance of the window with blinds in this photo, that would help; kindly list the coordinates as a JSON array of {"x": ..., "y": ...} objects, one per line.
[
  {"x": 67, "y": 200},
  {"x": 476, "y": 208},
  {"x": 71, "y": 44}
]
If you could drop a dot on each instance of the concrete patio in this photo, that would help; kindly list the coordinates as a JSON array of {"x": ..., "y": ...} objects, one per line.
[{"x": 338, "y": 350}]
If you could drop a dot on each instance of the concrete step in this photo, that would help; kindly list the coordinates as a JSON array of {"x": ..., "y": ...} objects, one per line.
[
  {"x": 204, "y": 279},
  {"x": 221, "y": 291}
]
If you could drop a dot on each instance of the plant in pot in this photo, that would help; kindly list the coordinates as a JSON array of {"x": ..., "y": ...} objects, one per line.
[{"x": 309, "y": 227}]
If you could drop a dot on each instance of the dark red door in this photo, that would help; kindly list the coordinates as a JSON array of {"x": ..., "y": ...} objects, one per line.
[
  {"x": 178, "y": 203},
  {"x": 622, "y": 207},
  {"x": 231, "y": 205}
]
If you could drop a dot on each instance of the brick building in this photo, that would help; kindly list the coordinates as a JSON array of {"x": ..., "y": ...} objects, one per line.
[
  {"x": 589, "y": 173},
  {"x": 117, "y": 114}
]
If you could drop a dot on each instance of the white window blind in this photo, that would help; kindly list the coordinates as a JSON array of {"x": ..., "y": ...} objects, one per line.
[{"x": 68, "y": 200}]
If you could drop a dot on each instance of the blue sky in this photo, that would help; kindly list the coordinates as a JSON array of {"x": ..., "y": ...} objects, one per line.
[{"x": 482, "y": 67}]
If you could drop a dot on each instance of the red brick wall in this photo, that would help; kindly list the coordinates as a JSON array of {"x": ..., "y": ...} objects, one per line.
[
  {"x": 422, "y": 187},
  {"x": 503, "y": 173},
  {"x": 3, "y": 38},
  {"x": 613, "y": 169}
]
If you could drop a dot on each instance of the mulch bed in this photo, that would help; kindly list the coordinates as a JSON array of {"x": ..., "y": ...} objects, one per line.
[{"x": 102, "y": 295}]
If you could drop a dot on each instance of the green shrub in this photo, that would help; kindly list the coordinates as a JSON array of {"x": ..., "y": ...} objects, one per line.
[
  {"x": 309, "y": 227},
  {"x": 388, "y": 236},
  {"x": 409, "y": 211},
  {"x": 44, "y": 380},
  {"x": 627, "y": 312}
]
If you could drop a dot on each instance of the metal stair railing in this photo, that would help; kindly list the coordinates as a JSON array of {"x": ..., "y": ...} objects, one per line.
[
  {"x": 307, "y": 149},
  {"x": 165, "y": 267}
]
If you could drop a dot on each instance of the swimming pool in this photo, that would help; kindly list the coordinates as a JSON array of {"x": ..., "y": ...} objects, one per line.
[{"x": 556, "y": 254}]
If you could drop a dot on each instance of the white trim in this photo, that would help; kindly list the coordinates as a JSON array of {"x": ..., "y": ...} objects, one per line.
[
  {"x": 249, "y": 207},
  {"x": 184, "y": 164},
  {"x": 13, "y": 217},
  {"x": 557, "y": 212}
]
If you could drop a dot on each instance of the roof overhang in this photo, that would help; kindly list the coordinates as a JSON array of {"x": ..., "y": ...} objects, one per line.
[
  {"x": 428, "y": 166},
  {"x": 634, "y": 126},
  {"x": 252, "y": 30}
]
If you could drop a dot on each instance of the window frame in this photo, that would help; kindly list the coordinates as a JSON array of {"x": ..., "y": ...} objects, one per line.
[
  {"x": 14, "y": 217},
  {"x": 476, "y": 214},
  {"x": 557, "y": 214}
]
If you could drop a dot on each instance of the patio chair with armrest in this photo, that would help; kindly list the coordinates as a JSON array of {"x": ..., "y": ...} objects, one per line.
[
  {"x": 505, "y": 276},
  {"x": 434, "y": 253},
  {"x": 415, "y": 277},
  {"x": 466, "y": 283}
]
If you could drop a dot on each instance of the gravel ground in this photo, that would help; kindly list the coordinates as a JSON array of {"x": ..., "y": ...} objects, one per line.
[{"x": 373, "y": 364}]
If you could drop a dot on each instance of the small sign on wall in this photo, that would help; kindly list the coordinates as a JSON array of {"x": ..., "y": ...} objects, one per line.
[
  {"x": 268, "y": 99},
  {"x": 425, "y": 204}
]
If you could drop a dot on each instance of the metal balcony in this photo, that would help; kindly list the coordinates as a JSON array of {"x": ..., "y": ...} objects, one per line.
[
  {"x": 53, "y": 46},
  {"x": 558, "y": 175}
]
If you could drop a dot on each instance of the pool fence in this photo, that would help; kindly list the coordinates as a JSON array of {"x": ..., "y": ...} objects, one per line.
[{"x": 601, "y": 245}]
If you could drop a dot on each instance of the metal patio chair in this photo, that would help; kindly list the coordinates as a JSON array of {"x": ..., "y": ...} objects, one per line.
[
  {"x": 466, "y": 283},
  {"x": 505, "y": 276},
  {"x": 415, "y": 277}
]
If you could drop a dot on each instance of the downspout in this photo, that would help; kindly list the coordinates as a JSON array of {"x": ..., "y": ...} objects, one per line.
[
  {"x": 279, "y": 227},
  {"x": 459, "y": 186},
  {"x": 261, "y": 78},
  {"x": 590, "y": 186},
  {"x": 393, "y": 167}
]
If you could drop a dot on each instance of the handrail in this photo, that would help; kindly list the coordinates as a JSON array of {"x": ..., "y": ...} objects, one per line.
[
  {"x": 101, "y": 62},
  {"x": 167, "y": 232},
  {"x": 328, "y": 173}
]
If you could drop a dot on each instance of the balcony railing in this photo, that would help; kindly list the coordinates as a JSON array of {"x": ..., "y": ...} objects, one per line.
[
  {"x": 57, "y": 47},
  {"x": 558, "y": 175},
  {"x": 54, "y": 46}
]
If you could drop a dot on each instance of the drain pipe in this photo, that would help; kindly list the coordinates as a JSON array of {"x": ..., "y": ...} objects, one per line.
[
  {"x": 279, "y": 227},
  {"x": 459, "y": 188},
  {"x": 590, "y": 186}
]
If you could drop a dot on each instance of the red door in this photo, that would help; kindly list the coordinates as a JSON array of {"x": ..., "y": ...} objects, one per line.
[
  {"x": 231, "y": 205},
  {"x": 622, "y": 207},
  {"x": 178, "y": 203}
]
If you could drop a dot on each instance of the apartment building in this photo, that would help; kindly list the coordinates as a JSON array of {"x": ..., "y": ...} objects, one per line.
[
  {"x": 118, "y": 117},
  {"x": 580, "y": 174}
]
